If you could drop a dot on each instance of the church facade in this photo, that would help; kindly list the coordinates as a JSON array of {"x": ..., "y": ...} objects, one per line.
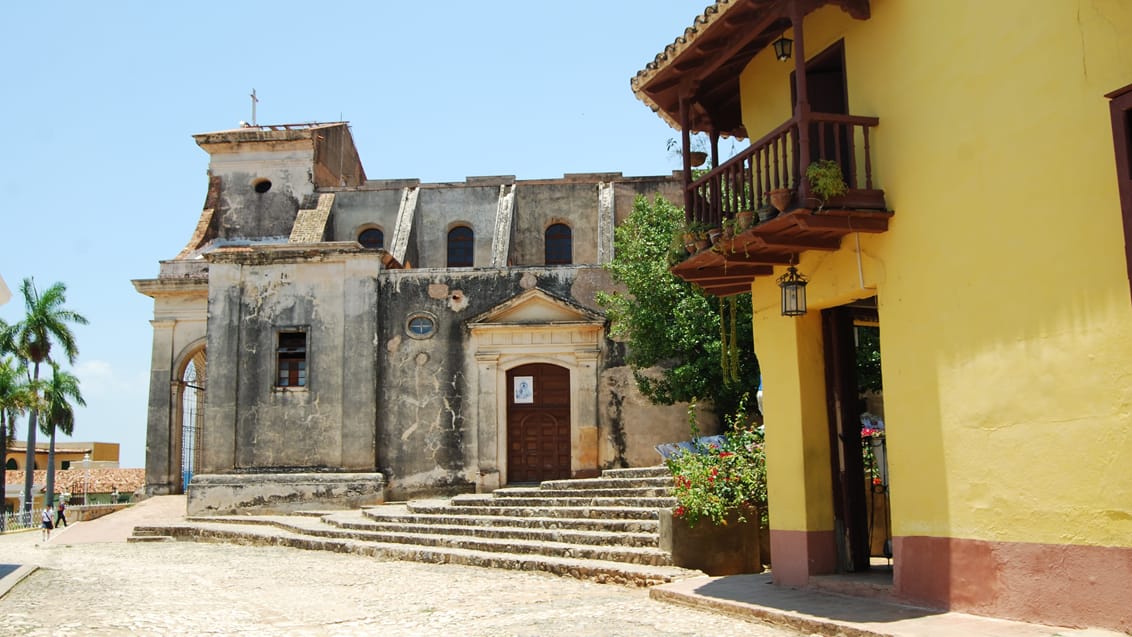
[{"x": 326, "y": 338}]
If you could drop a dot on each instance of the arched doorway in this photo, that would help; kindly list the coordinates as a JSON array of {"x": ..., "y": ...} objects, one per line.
[
  {"x": 191, "y": 408},
  {"x": 538, "y": 423}
]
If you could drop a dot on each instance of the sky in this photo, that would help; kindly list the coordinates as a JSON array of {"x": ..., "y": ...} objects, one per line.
[{"x": 100, "y": 178}]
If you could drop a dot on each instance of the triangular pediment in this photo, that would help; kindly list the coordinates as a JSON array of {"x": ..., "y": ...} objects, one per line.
[{"x": 535, "y": 307}]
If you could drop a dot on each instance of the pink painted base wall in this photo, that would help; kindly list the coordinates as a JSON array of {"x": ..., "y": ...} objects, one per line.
[
  {"x": 799, "y": 554},
  {"x": 1057, "y": 584}
]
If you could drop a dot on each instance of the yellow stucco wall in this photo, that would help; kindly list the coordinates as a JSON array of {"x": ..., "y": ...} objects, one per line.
[{"x": 1006, "y": 324}]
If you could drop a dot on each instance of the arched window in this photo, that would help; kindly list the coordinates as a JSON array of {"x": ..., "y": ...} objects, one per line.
[
  {"x": 372, "y": 238},
  {"x": 461, "y": 241},
  {"x": 559, "y": 245},
  {"x": 12, "y": 464}
]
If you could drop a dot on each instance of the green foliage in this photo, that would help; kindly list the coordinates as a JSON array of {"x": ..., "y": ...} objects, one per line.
[
  {"x": 714, "y": 482},
  {"x": 15, "y": 395},
  {"x": 868, "y": 359},
  {"x": 45, "y": 324},
  {"x": 668, "y": 322},
  {"x": 826, "y": 180},
  {"x": 58, "y": 394}
]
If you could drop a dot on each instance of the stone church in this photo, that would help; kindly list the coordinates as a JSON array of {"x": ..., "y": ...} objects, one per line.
[{"x": 326, "y": 338}]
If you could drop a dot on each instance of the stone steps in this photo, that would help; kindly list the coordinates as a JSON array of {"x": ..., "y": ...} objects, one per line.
[
  {"x": 258, "y": 532},
  {"x": 436, "y": 538},
  {"x": 542, "y": 530},
  {"x": 390, "y": 516},
  {"x": 605, "y": 528},
  {"x": 565, "y": 503},
  {"x": 149, "y": 538},
  {"x": 627, "y": 493}
]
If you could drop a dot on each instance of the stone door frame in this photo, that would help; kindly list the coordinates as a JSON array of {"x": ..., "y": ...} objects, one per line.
[{"x": 499, "y": 348}]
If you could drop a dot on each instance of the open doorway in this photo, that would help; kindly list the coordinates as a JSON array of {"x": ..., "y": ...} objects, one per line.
[
  {"x": 191, "y": 387},
  {"x": 858, "y": 458}
]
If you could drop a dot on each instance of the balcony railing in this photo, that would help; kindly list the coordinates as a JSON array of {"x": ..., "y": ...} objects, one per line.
[{"x": 777, "y": 161}]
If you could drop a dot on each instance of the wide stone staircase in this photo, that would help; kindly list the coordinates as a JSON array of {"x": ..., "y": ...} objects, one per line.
[{"x": 604, "y": 529}]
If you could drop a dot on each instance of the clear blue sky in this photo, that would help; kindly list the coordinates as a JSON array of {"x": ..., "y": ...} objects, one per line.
[{"x": 100, "y": 178}]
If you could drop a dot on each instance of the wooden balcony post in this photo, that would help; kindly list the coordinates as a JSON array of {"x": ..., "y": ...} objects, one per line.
[
  {"x": 802, "y": 108},
  {"x": 685, "y": 141}
]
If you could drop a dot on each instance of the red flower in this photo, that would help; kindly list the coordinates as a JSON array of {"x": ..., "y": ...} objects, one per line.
[{"x": 724, "y": 454}]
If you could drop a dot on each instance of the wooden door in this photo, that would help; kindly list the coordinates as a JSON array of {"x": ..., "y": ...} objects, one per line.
[
  {"x": 844, "y": 407},
  {"x": 828, "y": 92},
  {"x": 538, "y": 423}
]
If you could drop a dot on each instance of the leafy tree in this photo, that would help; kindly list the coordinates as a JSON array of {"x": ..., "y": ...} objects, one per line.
[
  {"x": 868, "y": 359},
  {"x": 44, "y": 324},
  {"x": 60, "y": 415},
  {"x": 670, "y": 323}
]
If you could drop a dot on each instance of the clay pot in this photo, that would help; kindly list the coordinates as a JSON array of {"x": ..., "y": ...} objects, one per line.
[
  {"x": 743, "y": 221},
  {"x": 779, "y": 198}
]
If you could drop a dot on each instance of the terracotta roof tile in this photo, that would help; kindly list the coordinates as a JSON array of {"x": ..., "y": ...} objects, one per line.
[{"x": 73, "y": 480}]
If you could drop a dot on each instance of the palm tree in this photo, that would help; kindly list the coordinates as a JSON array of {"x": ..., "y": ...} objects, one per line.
[
  {"x": 15, "y": 398},
  {"x": 59, "y": 416},
  {"x": 45, "y": 323}
]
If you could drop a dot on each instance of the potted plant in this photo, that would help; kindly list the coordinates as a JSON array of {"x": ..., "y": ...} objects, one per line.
[
  {"x": 695, "y": 236},
  {"x": 826, "y": 180},
  {"x": 722, "y": 488},
  {"x": 697, "y": 153},
  {"x": 743, "y": 221},
  {"x": 714, "y": 233},
  {"x": 729, "y": 229}
]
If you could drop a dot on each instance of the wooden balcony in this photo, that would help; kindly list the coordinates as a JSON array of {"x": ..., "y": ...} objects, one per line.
[{"x": 776, "y": 163}]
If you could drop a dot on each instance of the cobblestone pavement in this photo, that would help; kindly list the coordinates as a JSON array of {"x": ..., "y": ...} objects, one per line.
[{"x": 185, "y": 588}]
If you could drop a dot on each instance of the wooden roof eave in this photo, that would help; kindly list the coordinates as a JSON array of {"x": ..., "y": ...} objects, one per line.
[{"x": 705, "y": 62}]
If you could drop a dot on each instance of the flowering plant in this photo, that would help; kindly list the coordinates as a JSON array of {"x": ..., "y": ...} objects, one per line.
[
  {"x": 872, "y": 438},
  {"x": 715, "y": 480}
]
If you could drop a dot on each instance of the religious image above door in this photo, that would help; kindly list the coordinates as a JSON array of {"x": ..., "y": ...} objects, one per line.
[{"x": 538, "y": 423}]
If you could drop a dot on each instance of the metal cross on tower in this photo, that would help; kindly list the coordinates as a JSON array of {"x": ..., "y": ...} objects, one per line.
[{"x": 254, "y": 100}]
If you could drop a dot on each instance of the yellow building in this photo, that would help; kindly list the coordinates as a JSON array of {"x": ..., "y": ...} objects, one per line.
[
  {"x": 68, "y": 455},
  {"x": 987, "y": 232}
]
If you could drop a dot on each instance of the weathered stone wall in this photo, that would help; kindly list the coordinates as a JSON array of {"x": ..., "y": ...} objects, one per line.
[
  {"x": 358, "y": 209},
  {"x": 633, "y": 427},
  {"x": 426, "y": 441},
  {"x": 626, "y": 191},
  {"x": 429, "y": 400},
  {"x": 247, "y": 214},
  {"x": 180, "y": 308},
  {"x": 250, "y": 424},
  {"x": 440, "y": 209},
  {"x": 538, "y": 205}
]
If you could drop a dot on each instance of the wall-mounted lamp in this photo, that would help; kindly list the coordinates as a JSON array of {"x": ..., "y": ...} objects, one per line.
[
  {"x": 782, "y": 48},
  {"x": 793, "y": 292}
]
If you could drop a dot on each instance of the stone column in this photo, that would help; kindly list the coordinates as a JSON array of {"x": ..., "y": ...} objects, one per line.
[
  {"x": 487, "y": 427},
  {"x": 160, "y": 470},
  {"x": 585, "y": 434}
]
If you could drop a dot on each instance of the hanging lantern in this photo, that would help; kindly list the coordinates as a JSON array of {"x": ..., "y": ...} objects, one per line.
[
  {"x": 793, "y": 292},
  {"x": 782, "y": 48}
]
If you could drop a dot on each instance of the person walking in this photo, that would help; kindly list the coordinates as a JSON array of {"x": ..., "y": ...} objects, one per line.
[
  {"x": 46, "y": 518},
  {"x": 60, "y": 517}
]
